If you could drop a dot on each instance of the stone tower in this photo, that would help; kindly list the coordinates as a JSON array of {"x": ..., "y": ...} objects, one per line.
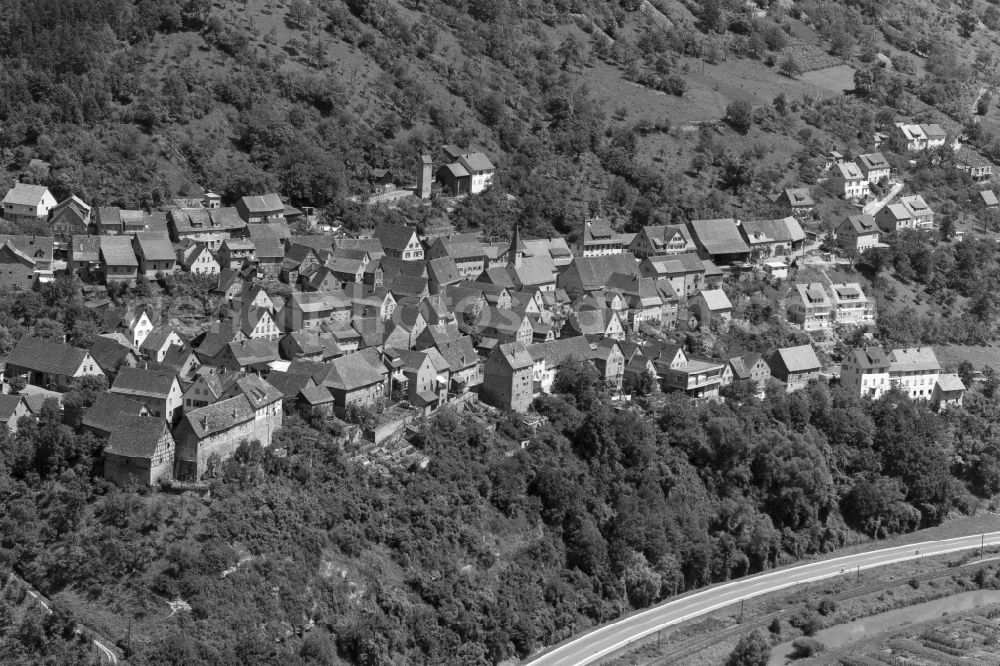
[{"x": 425, "y": 176}]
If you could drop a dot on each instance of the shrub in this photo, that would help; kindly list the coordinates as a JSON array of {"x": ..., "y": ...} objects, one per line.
[
  {"x": 739, "y": 114},
  {"x": 806, "y": 647},
  {"x": 827, "y": 607},
  {"x": 807, "y": 622},
  {"x": 753, "y": 649},
  {"x": 914, "y": 583},
  {"x": 775, "y": 626}
]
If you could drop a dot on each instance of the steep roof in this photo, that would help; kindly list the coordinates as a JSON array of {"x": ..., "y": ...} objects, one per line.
[
  {"x": 394, "y": 236},
  {"x": 950, "y": 382},
  {"x": 289, "y": 384},
  {"x": 863, "y": 224},
  {"x": 158, "y": 338},
  {"x": 914, "y": 359},
  {"x": 268, "y": 248},
  {"x": 557, "y": 352},
  {"x": 46, "y": 356},
  {"x": 784, "y": 230},
  {"x": 799, "y": 196},
  {"x": 743, "y": 365},
  {"x": 356, "y": 370},
  {"x": 257, "y": 391},
  {"x": 219, "y": 416},
  {"x": 799, "y": 359},
  {"x": 594, "y": 271},
  {"x": 478, "y": 161},
  {"x": 459, "y": 353},
  {"x": 23, "y": 194},
  {"x": 117, "y": 251},
  {"x": 871, "y": 359},
  {"x": 155, "y": 246},
  {"x": 443, "y": 271},
  {"x": 720, "y": 236},
  {"x": 989, "y": 198},
  {"x": 155, "y": 383},
  {"x": 109, "y": 353},
  {"x": 715, "y": 299},
  {"x": 516, "y": 355},
  {"x": 8, "y": 405},
  {"x": 136, "y": 436},
  {"x": 253, "y": 352},
  {"x": 107, "y": 408},
  {"x": 267, "y": 203}
]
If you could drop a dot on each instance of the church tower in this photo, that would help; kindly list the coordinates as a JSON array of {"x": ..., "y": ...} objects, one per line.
[{"x": 517, "y": 250}]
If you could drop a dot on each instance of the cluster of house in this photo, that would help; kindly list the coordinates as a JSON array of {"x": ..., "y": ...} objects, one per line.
[
  {"x": 458, "y": 172},
  {"x": 392, "y": 318},
  {"x": 871, "y": 372}
]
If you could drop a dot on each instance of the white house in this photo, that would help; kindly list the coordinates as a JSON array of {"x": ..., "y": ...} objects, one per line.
[{"x": 27, "y": 203}]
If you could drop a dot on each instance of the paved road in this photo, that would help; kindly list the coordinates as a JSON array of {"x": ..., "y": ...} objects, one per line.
[
  {"x": 592, "y": 646},
  {"x": 876, "y": 206}
]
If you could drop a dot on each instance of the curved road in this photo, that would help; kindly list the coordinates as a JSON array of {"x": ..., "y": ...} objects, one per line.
[{"x": 590, "y": 647}]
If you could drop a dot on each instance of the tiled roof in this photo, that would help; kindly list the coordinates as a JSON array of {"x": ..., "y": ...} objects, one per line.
[
  {"x": 356, "y": 370},
  {"x": 478, "y": 162},
  {"x": 716, "y": 299},
  {"x": 784, "y": 230},
  {"x": 23, "y": 194},
  {"x": 108, "y": 353},
  {"x": 720, "y": 236},
  {"x": 45, "y": 356},
  {"x": 394, "y": 236},
  {"x": 268, "y": 248},
  {"x": 914, "y": 359},
  {"x": 117, "y": 251},
  {"x": 107, "y": 408},
  {"x": 8, "y": 405},
  {"x": 155, "y": 246},
  {"x": 516, "y": 354},
  {"x": 219, "y": 416},
  {"x": 267, "y": 203},
  {"x": 289, "y": 384},
  {"x": 557, "y": 352},
  {"x": 950, "y": 382},
  {"x": 799, "y": 359},
  {"x": 594, "y": 271},
  {"x": 136, "y": 436},
  {"x": 140, "y": 381},
  {"x": 257, "y": 391}
]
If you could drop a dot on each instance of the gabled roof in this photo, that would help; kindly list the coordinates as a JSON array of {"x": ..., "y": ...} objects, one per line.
[
  {"x": 158, "y": 337},
  {"x": 136, "y": 436},
  {"x": 394, "y": 236},
  {"x": 516, "y": 355},
  {"x": 155, "y": 246},
  {"x": 799, "y": 359},
  {"x": 253, "y": 352},
  {"x": 258, "y": 392},
  {"x": 267, "y": 203},
  {"x": 443, "y": 271},
  {"x": 373, "y": 246},
  {"x": 862, "y": 224},
  {"x": 289, "y": 384},
  {"x": 86, "y": 248},
  {"x": 268, "y": 248},
  {"x": 459, "y": 353},
  {"x": 715, "y": 299},
  {"x": 154, "y": 383},
  {"x": 594, "y": 271},
  {"x": 356, "y": 370},
  {"x": 598, "y": 231},
  {"x": 8, "y": 405},
  {"x": 870, "y": 359},
  {"x": 45, "y": 356},
  {"x": 676, "y": 264},
  {"x": 23, "y": 194},
  {"x": 850, "y": 171},
  {"x": 533, "y": 272},
  {"x": 557, "y": 352},
  {"x": 872, "y": 161},
  {"x": 108, "y": 353},
  {"x": 219, "y": 416},
  {"x": 784, "y": 230},
  {"x": 273, "y": 229},
  {"x": 720, "y": 236},
  {"x": 117, "y": 251},
  {"x": 950, "y": 382},
  {"x": 107, "y": 408},
  {"x": 799, "y": 196},
  {"x": 914, "y": 359},
  {"x": 477, "y": 161},
  {"x": 743, "y": 365}
]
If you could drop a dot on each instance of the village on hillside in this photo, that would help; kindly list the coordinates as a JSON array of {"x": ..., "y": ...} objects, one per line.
[{"x": 377, "y": 331}]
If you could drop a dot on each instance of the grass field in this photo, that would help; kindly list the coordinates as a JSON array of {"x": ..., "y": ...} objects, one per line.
[
  {"x": 836, "y": 79},
  {"x": 952, "y": 355}
]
